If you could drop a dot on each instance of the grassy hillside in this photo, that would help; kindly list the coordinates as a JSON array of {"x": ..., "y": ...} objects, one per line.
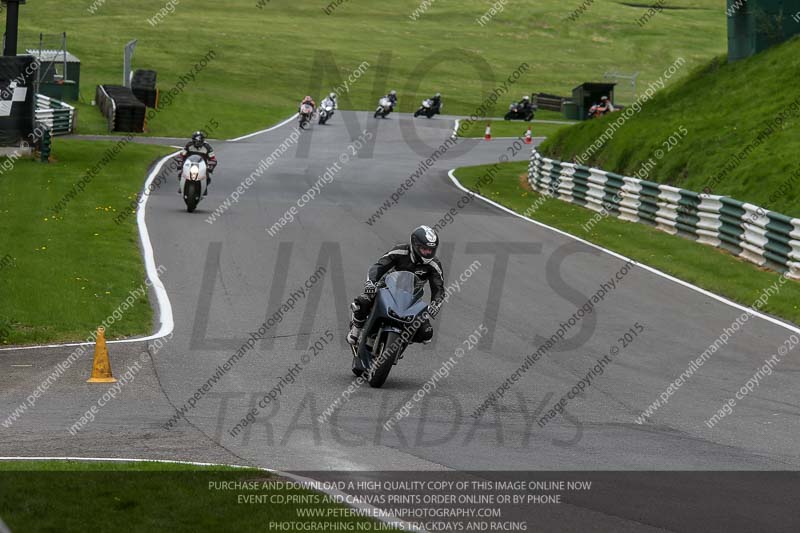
[
  {"x": 265, "y": 58},
  {"x": 743, "y": 132}
]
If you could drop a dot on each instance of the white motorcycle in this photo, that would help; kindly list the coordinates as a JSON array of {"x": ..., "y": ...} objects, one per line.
[
  {"x": 306, "y": 114},
  {"x": 194, "y": 181},
  {"x": 325, "y": 111},
  {"x": 384, "y": 108}
]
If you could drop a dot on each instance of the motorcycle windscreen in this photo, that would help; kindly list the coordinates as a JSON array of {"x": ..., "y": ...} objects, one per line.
[
  {"x": 194, "y": 160},
  {"x": 401, "y": 286}
]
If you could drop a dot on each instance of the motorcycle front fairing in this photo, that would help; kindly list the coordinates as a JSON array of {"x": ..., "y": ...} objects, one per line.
[
  {"x": 200, "y": 174},
  {"x": 396, "y": 306}
]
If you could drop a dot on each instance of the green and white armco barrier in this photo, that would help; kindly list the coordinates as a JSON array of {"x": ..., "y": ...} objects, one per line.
[
  {"x": 58, "y": 116},
  {"x": 763, "y": 237}
]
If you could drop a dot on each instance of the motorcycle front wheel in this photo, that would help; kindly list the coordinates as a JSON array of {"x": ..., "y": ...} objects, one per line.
[
  {"x": 191, "y": 195},
  {"x": 384, "y": 360}
]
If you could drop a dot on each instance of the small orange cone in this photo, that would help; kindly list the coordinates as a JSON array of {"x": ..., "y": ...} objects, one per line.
[
  {"x": 528, "y": 138},
  {"x": 487, "y": 136},
  {"x": 101, "y": 367}
]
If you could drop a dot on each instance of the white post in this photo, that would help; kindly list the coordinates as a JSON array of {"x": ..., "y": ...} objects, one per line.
[{"x": 128, "y": 59}]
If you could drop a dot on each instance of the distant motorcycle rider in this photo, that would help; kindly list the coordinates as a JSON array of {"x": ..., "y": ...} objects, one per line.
[
  {"x": 330, "y": 100},
  {"x": 199, "y": 146},
  {"x": 605, "y": 105},
  {"x": 436, "y": 102},
  {"x": 307, "y": 100},
  {"x": 418, "y": 257},
  {"x": 525, "y": 105},
  {"x": 392, "y": 96}
]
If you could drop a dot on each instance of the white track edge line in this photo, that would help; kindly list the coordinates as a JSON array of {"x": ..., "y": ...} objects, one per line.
[
  {"x": 653, "y": 270},
  {"x": 276, "y": 126},
  {"x": 164, "y": 306},
  {"x": 307, "y": 482},
  {"x": 165, "y": 317}
]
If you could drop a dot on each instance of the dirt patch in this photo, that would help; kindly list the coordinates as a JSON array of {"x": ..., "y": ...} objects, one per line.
[{"x": 523, "y": 183}]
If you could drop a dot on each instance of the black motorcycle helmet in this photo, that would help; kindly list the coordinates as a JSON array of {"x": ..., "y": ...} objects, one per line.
[
  {"x": 424, "y": 243},
  {"x": 198, "y": 138}
]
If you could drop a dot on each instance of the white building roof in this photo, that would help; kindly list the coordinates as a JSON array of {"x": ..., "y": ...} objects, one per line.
[{"x": 52, "y": 55}]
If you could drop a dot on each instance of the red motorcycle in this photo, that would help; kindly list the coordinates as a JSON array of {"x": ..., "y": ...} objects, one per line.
[{"x": 306, "y": 114}]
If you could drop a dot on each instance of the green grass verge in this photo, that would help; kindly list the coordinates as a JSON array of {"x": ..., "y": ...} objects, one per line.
[
  {"x": 704, "y": 266},
  {"x": 91, "y": 496},
  {"x": 265, "y": 58},
  {"x": 724, "y": 109},
  {"x": 72, "y": 270}
]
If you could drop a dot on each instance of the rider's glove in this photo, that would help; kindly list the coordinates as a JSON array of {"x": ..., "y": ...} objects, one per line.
[
  {"x": 370, "y": 287},
  {"x": 433, "y": 310}
]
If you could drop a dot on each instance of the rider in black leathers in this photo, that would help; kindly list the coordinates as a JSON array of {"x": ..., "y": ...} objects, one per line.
[
  {"x": 419, "y": 257},
  {"x": 436, "y": 103},
  {"x": 198, "y": 145},
  {"x": 525, "y": 106},
  {"x": 392, "y": 96}
]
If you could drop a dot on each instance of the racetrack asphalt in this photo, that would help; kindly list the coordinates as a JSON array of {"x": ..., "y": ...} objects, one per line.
[{"x": 226, "y": 278}]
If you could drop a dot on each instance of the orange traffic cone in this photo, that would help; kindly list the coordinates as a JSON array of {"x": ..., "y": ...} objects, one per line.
[
  {"x": 528, "y": 138},
  {"x": 487, "y": 136},
  {"x": 101, "y": 367}
]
